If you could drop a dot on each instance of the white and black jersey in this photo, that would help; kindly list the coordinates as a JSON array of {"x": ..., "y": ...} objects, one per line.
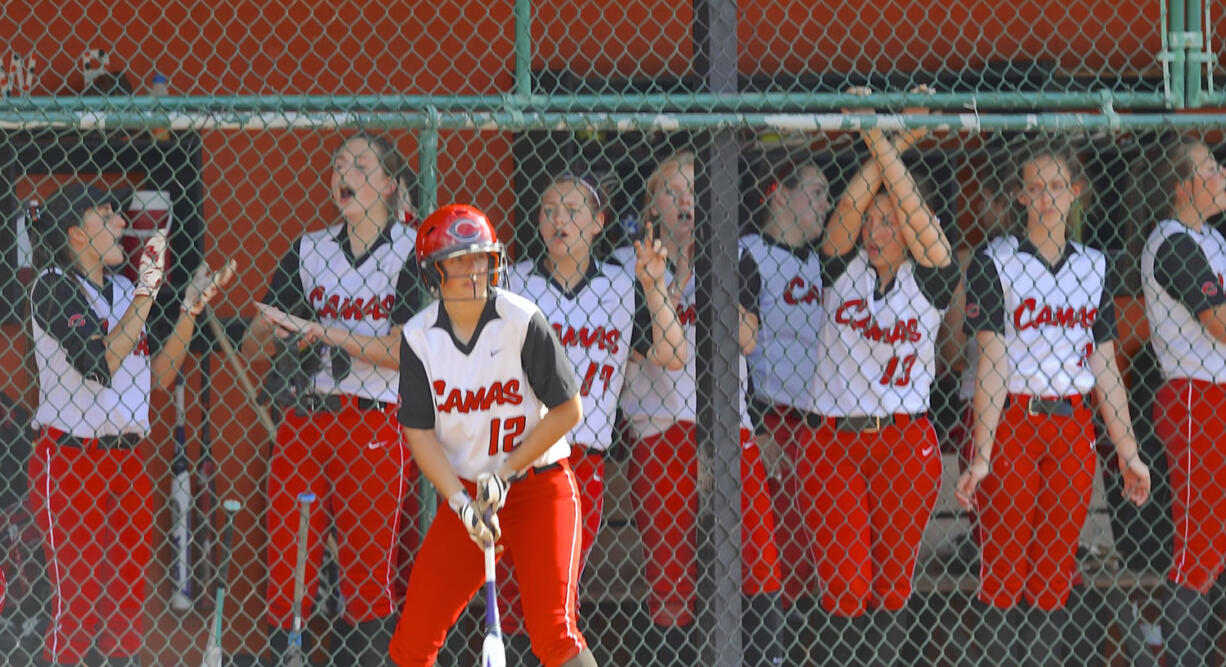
[
  {"x": 321, "y": 279},
  {"x": 655, "y": 397},
  {"x": 482, "y": 397},
  {"x": 1050, "y": 316},
  {"x": 879, "y": 341},
  {"x": 598, "y": 323},
  {"x": 1184, "y": 273},
  {"x": 784, "y": 362},
  {"x": 77, "y": 392}
]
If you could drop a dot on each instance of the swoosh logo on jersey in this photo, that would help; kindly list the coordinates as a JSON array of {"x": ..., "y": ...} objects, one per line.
[
  {"x": 495, "y": 352},
  {"x": 377, "y": 444},
  {"x": 927, "y": 451}
]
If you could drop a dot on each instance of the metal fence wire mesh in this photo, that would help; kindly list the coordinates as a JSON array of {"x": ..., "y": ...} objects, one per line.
[{"x": 897, "y": 331}]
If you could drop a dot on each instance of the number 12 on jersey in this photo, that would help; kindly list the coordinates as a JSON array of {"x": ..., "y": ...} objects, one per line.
[{"x": 506, "y": 430}]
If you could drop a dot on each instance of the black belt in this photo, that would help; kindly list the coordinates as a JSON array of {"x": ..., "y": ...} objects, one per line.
[
  {"x": 125, "y": 441},
  {"x": 590, "y": 451},
  {"x": 1063, "y": 406},
  {"x": 533, "y": 472},
  {"x": 308, "y": 403},
  {"x": 871, "y": 423}
]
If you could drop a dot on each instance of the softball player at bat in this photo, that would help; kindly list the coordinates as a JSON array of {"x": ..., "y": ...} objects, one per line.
[
  {"x": 1183, "y": 265},
  {"x": 488, "y": 394},
  {"x": 1041, "y": 309},
  {"x": 342, "y": 442},
  {"x": 601, "y": 316},
  {"x": 97, "y": 367},
  {"x": 795, "y": 204},
  {"x": 872, "y": 468},
  {"x": 660, "y": 406}
]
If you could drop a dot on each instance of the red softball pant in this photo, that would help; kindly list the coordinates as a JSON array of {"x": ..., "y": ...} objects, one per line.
[
  {"x": 1189, "y": 418},
  {"x": 540, "y": 526},
  {"x": 94, "y": 507},
  {"x": 792, "y": 536},
  {"x": 353, "y": 461},
  {"x": 1033, "y": 504},
  {"x": 589, "y": 476},
  {"x": 663, "y": 476},
  {"x": 871, "y": 495}
]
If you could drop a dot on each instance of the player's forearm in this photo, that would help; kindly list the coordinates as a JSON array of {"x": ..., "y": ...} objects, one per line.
[
  {"x": 747, "y": 331},
  {"x": 376, "y": 350},
  {"x": 1112, "y": 399},
  {"x": 428, "y": 454},
  {"x": 127, "y": 332},
  {"x": 843, "y": 227},
  {"x": 668, "y": 345},
  {"x": 170, "y": 357},
  {"x": 551, "y": 428},
  {"x": 259, "y": 342},
  {"x": 990, "y": 393}
]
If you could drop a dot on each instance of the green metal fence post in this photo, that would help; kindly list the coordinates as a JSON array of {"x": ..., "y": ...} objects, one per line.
[
  {"x": 1175, "y": 53},
  {"x": 523, "y": 50},
  {"x": 1193, "y": 50}
]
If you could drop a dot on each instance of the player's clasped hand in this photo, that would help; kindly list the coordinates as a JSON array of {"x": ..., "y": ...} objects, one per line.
[
  {"x": 287, "y": 324},
  {"x": 1136, "y": 480},
  {"x": 152, "y": 269},
  {"x": 491, "y": 493},
  {"x": 482, "y": 529},
  {"x": 969, "y": 481},
  {"x": 206, "y": 285}
]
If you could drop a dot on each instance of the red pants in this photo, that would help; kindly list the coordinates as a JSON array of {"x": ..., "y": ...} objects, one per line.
[
  {"x": 94, "y": 507},
  {"x": 353, "y": 461},
  {"x": 1033, "y": 504},
  {"x": 540, "y": 525},
  {"x": 792, "y": 536},
  {"x": 1190, "y": 420},
  {"x": 589, "y": 476},
  {"x": 664, "y": 478},
  {"x": 872, "y": 494}
]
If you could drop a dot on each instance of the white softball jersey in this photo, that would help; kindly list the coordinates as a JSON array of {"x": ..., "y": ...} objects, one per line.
[
  {"x": 879, "y": 344},
  {"x": 790, "y": 313},
  {"x": 1184, "y": 272},
  {"x": 595, "y": 324},
  {"x": 483, "y": 396},
  {"x": 365, "y": 295},
  {"x": 1050, "y": 316},
  {"x": 77, "y": 392},
  {"x": 654, "y": 397}
]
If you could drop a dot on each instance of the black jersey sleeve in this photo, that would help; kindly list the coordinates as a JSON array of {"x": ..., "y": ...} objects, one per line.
[
  {"x": 751, "y": 283},
  {"x": 408, "y": 293},
  {"x": 416, "y": 397},
  {"x": 61, "y": 309},
  {"x": 1183, "y": 270},
  {"x": 546, "y": 364},
  {"x": 937, "y": 283},
  {"x": 285, "y": 292},
  {"x": 985, "y": 296},
  {"x": 833, "y": 267},
  {"x": 1104, "y": 322},
  {"x": 640, "y": 338}
]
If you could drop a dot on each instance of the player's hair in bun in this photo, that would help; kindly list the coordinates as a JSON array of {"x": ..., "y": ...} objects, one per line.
[{"x": 394, "y": 166}]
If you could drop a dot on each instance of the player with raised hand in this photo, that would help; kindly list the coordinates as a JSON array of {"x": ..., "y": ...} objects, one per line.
[
  {"x": 603, "y": 314},
  {"x": 487, "y": 394},
  {"x": 872, "y": 469},
  {"x": 356, "y": 282},
  {"x": 1041, "y": 308},
  {"x": 661, "y": 406},
  {"x": 1182, "y": 266},
  {"x": 97, "y": 367}
]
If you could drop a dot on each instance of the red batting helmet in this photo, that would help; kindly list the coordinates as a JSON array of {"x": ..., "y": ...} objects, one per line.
[{"x": 452, "y": 231}]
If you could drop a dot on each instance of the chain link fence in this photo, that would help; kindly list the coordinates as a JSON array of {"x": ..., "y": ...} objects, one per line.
[{"x": 881, "y": 320}]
